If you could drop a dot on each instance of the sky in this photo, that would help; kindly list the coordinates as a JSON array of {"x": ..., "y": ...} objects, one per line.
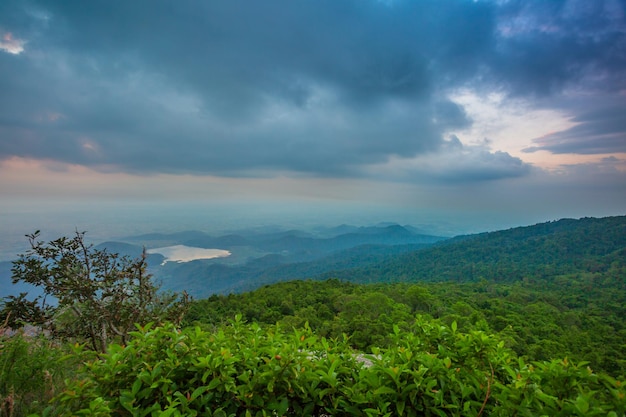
[{"x": 475, "y": 114}]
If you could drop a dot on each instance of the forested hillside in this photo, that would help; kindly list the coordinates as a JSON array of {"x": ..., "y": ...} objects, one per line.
[
  {"x": 399, "y": 255},
  {"x": 580, "y": 316},
  {"x": 553, "y": 289},
  {"x": 538, "y": 252}
]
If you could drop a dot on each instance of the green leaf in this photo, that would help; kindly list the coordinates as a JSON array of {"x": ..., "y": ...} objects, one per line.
[
  {"x": 384, "y": 390},
  {"x": 400, "y": 407},
  {"x": 127, "y": 402},
  {"x": 198, "y": 392},
  {"x": 168, "y": 412},
  {"x": 136, "y": 387},
  {"x": 213, "y": 384},
  {"x": 582, "y": 404}
]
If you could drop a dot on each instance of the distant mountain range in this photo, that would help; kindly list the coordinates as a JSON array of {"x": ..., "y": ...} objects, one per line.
[
  {"x": 262, "y": 258},
  {"x": 381, "y": 253}
]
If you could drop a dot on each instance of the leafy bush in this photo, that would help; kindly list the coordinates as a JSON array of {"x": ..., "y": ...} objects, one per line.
[
  {"x": 244, "y": 370},
  {"x": 31, "y": 373}
]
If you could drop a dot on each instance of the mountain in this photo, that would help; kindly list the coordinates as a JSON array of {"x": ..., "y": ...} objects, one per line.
[
  {"x": 7, "y": 287},
  {"x": 357, "y": 256},
  {"x": 122, "y": 249},
  {"x": 292, "y": 242},
  {"x": 541, "y": 250},
  {"x": 265, "y": 256},
  {"x": 381, "y": 253}
]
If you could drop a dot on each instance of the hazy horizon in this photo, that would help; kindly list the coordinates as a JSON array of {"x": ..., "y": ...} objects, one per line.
[{"x": 111, "y": 221}]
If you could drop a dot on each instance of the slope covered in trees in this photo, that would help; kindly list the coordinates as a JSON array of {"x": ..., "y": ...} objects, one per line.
[
  {"x": 580, "y": 316},
  {"x": 552, "y": 289},
  {"x": 538, "y": 252},
  {"x": 534, "y": 252}
]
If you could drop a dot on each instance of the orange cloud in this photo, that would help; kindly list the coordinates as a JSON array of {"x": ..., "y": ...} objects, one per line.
[{"x": 12, "y": 45}]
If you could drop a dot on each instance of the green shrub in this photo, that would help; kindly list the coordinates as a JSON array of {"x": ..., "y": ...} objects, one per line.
[
  {"x": 244, "y": 370},
  {"x": 31, "y": 373}
]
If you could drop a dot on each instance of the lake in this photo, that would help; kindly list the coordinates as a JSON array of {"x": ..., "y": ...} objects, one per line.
[{"x": 182, "y": 253}]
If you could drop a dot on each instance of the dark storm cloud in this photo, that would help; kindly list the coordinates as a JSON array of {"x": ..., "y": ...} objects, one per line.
[
  {"x": 321, "y": 87},
  {"x": 546, "y": 46}
]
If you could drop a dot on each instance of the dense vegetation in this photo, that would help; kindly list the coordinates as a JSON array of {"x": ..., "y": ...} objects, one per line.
[
  {"x": 539, "y": 252},
  {"x": 535, "y": 325},
  {"x": 244, "y": 370},
  {"x": 581, "y": 316}
]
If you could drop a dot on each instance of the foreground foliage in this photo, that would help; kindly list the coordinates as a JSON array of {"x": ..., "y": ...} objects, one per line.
[
  {"x": 31, "y": 373},
  {"x": 245, "y": 370}
]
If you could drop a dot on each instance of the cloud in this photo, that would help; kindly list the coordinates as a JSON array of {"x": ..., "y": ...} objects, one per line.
[
  {"x": 546, "y": 46},
  {"x": 599, "y": 129},
  {"x": 12, "y": 45},
  {"x": 455, "y": 163},
  {"x": 314, "y": 88}
]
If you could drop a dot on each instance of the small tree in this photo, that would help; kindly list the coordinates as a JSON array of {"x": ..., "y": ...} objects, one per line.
[{"x": 99, "y": 295}]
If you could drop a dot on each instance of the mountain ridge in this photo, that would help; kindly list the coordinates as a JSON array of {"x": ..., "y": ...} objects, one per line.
[
  {"x": 557, "y": 247},
  {"x": 383, "y": 253}
]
